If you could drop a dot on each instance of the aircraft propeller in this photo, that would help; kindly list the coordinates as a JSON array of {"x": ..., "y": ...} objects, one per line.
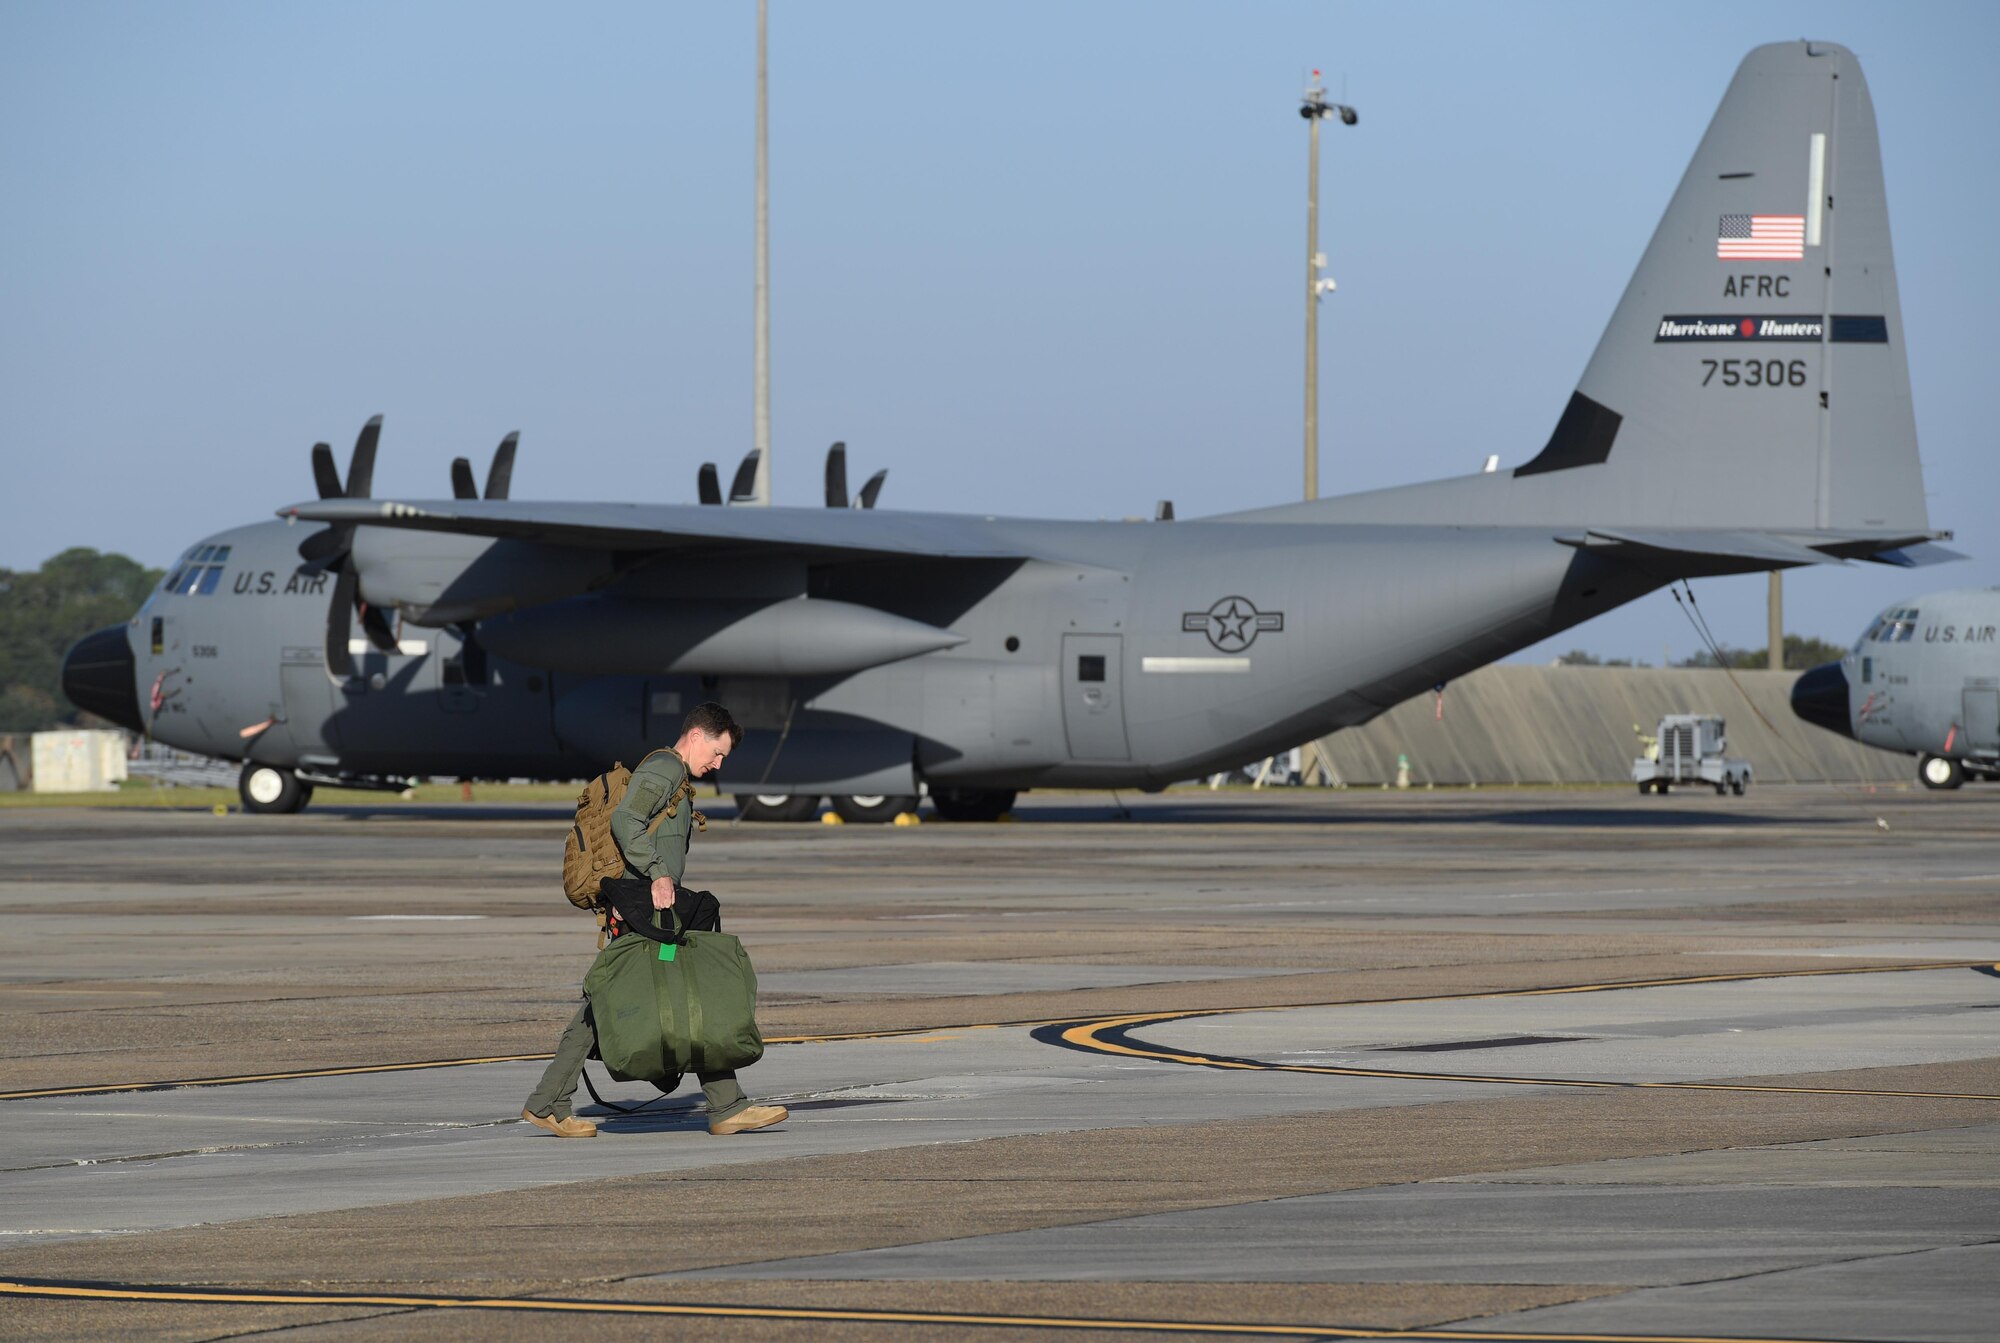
[
  {"x": 499, "y": 476},
  {"x": 836, "y": 481},
  {"x": 327, "y": 550},
  {"x": 744, "y": 487}
]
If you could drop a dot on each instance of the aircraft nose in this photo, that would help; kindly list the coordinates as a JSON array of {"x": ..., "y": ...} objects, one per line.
[
  {"x": 97, "y": 675},
  {"x": 1820, "y": 697}
]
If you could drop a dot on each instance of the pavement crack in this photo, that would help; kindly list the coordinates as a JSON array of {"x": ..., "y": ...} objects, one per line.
[
  {"x": 1748, "y": 1275},
  {"x": 229, "y": 1149}
]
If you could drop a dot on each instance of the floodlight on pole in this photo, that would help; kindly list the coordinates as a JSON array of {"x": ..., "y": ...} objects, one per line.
[{"x": 1315, "y": 108}]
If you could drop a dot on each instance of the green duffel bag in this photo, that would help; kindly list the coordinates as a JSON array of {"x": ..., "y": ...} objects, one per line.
[{"x": 667, "y": 1008}]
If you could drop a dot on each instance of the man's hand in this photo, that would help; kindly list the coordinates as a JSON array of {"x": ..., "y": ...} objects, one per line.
[{"x": 663, "y": 892}]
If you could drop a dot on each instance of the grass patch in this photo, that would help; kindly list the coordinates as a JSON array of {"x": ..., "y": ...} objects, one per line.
[{"x": 146, "y": 793}]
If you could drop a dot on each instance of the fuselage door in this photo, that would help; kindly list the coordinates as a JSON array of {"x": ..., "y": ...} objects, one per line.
[
  {"x": 1093, "y": 709},
  {"x": 1982, "y": 718},
  {"x": 309, "y": 698}
]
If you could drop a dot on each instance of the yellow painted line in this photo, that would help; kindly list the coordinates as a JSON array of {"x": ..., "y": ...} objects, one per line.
[
  {"x": 1085, "y": 1036},
  {"x": 911, "y": 1032},
  {"x": 529, "y": 1305}
]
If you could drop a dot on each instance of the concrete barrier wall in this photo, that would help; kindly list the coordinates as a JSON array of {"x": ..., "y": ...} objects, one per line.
[{"x": 1514, "y": 724}]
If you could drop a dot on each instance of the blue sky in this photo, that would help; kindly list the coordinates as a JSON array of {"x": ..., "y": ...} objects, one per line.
[{"x": 1039, "y": 259}]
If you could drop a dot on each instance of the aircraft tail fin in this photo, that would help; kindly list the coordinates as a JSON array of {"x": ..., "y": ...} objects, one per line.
[
  {"x": 1756, "y": 361},
  {"x": 1753, "y": 374}
]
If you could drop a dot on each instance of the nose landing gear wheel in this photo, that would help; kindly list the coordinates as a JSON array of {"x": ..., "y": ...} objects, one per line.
[
  {"x": 1937, "y": 771},
  {"x": 272, "y": 789}
]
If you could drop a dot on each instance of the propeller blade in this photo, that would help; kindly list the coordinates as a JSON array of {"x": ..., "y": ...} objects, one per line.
[
  {"x": 340, "y": 625},
  {"x": 836, "y": 476},
  {"x": 873, "y": 488},
  {"x": 326, "y": 548},
  {"x": 744, "y": 487},
  {"x": 462, "y": 486},
  {"x": 375, "y": 624},
  {"x": 709, "y": 483},
  {"x": 500, "y": 475},
  {"x": 361, "y": 467},
  {"x": 325, "y": 475}
]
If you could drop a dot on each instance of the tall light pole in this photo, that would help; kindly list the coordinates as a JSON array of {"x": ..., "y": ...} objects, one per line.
[
  {"x": 1315, "y": 108},
  {"x": 761, "y": 430}
]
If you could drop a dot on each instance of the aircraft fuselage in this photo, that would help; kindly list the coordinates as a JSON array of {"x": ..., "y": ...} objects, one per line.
[
  {"x": 1924, "y": 678},
  {"x": 1151, "y": 653}
]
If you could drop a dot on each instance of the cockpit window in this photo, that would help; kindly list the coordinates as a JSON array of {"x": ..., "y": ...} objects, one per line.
[
  {"x": 199, "y": 574},
  {"x": 1894, "y": 627}
]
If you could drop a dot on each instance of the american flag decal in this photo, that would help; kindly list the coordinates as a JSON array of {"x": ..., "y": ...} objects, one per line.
[{"x": 1761, "y": 238}]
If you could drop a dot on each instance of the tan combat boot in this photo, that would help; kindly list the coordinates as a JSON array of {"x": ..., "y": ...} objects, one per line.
[
  {"x": 750, "y": 1117},
  {"x": 569, "y": 1126}
]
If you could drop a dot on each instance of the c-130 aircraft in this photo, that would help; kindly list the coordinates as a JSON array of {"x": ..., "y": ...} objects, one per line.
[
  {"x": 1924, "y": 678},
  {"x": 1747, "y": 408}
]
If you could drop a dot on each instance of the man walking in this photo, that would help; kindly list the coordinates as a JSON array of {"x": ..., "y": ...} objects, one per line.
[{"x": 652, "y": 826}]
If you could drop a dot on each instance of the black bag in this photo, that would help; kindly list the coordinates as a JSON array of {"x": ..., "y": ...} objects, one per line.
[{"x": 631, "y": 899}]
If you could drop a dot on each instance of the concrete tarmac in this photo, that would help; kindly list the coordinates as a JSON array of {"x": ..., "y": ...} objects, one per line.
[{"x": 1536, "y": 1063}]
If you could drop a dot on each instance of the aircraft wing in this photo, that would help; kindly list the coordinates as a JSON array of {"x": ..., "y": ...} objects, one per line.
[{"x": 833, "y": 532}]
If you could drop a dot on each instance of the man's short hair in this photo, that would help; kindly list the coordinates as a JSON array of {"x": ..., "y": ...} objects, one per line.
[{"x": 713, "y": 719}]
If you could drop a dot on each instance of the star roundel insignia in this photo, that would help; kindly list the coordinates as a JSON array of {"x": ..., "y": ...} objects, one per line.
[{"x": 1233, "y": 623}]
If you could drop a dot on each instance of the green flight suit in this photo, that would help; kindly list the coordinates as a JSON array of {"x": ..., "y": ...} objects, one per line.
[{"x": 651, "y": 851}]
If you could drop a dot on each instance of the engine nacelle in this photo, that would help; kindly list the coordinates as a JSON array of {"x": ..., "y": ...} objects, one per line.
[
  {"x": 797, "y": 636},
  {"x": 440, "y": 578}
]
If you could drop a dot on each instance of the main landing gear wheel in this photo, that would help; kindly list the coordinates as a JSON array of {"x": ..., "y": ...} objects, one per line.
[
  {"x": 972, "y": 804},
  {"x": 1938, "y": 771},
  {"x": 872, "y": 808},
  {"x": 272, "y": 789},
  {"x": 777, "y": 806}
]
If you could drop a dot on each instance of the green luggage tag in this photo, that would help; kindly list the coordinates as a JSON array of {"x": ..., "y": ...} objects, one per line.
[{"x": 667, "y": 950}]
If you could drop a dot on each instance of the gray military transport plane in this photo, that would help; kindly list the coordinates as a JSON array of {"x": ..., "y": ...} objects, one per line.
[
  {"x": 1923, "y": 679},
  {"x": 1747, "y": 408}
]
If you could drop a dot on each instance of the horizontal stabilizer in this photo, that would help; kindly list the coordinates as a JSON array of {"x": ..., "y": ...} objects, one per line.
[
  {"x": 1919, "y": 556},
  {"x": 1761, "y": 549},
  {"x": 1689, "y": 553}
]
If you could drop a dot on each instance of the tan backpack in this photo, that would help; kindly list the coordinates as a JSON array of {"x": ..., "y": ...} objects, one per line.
[{"x": 590, "y": 851}]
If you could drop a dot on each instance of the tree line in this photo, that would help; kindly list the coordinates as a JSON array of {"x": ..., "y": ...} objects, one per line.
[
  {"x": 43, "y": 612},
  {"x": 1800, "y": 653}
]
